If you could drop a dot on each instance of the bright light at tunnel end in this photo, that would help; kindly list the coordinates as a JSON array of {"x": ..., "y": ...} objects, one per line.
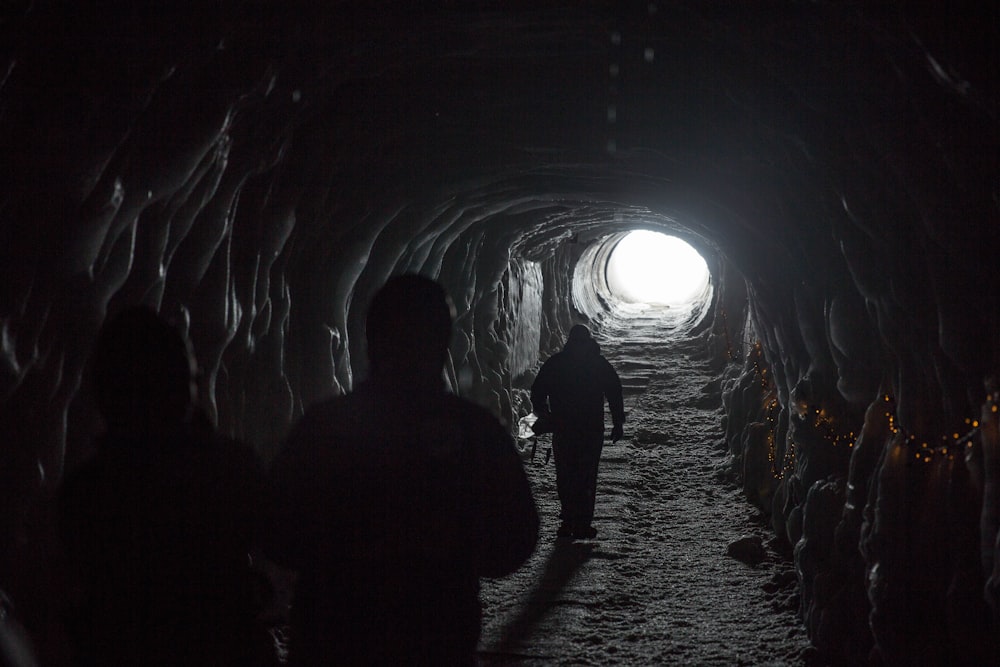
[{"x": 656, "y": 269}]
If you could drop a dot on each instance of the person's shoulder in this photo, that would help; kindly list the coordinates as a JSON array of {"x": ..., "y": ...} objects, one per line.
[
  {"x": 560, "y": 355},
  {"x": 604, "y": 361},
  {"x": 556, "y": 361},
  {"x": 607, "y": 368},
  {"x": 335, "y": 413},
  {"x": 329, "y": 428}
]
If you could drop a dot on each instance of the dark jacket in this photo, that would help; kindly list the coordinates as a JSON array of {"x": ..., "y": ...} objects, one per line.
[
  {"x": 391, "y": 507},
  {"x": 572, "y": 385},
  {"x": 158, "y": 535}
]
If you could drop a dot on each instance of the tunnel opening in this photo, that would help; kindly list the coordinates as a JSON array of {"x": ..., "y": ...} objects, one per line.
[
  {"x": 618, "y": 307},
  {"x": 650, "y": 269},
  {"x": 643, "y": 273}
]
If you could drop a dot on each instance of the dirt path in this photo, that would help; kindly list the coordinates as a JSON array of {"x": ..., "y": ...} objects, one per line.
[{"x": 656, "y": 585}]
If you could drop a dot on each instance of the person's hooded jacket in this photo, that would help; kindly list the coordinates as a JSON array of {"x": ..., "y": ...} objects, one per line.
[{"x": 572, "y": 385}]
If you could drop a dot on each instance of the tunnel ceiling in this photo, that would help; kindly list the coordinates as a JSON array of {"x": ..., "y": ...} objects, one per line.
[
  {"x": 225, "y": 161},
  {"x": 778, "y": 113}
]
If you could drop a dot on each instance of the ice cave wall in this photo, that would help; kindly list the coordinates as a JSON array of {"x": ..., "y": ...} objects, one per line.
[{"x": 256, "y": 170}]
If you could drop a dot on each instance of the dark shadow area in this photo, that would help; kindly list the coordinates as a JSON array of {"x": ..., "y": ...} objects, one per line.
[
  {"x": 157, "y": 525},
  {"x": 566, "y": 558}
]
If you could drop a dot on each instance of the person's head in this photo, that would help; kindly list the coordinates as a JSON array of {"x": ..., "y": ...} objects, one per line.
[
  {"x": 579, "y": 341},
  {"x": 408, "y": 329},
  {"x": 578, "y": 334},
  {"x": 143, "y": 372}
]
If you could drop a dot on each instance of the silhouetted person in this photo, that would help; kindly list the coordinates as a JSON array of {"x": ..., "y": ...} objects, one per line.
[
  {"x": 157, "y": 526},
  {"x": 392, "y": 501},
  {"x": 569, "y": 393}
]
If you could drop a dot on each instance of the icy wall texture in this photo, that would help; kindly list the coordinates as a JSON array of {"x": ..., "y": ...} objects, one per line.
[{"x": 256, "y": 170}]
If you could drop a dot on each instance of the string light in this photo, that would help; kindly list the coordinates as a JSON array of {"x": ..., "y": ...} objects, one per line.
[
  {"x": 771, "y": 448},
  {"x": 949, "y": 444},
  {"x": 823, "y": 423},
  {"x": 789, "y": 462},
  {"x": 771, "y": 406},
  {"x": 725, "y": 330},
  {"x": 760, "y": 371}
]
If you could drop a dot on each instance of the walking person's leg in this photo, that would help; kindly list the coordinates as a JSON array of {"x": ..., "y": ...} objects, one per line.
[
  {"x": 562, "y": 451},
  {"x": 590, "y": 462},
  {"x": 573, "y": 473}
]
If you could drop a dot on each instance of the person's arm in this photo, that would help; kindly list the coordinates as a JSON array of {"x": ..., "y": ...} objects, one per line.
[{"x": 616, "y": 401}]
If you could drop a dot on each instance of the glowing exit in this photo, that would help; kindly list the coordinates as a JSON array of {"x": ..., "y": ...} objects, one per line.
[{"x": 650, "y": 267}]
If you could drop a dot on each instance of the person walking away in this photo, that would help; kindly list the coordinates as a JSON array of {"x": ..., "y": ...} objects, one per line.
[
  {"x": 392, "y": 501},
  {"x": 569, "y": 393}
]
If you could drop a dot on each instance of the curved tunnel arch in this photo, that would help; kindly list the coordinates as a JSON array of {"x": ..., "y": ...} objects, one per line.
[
  {"x": 257, "y": 177},
  {"x": 473, "y": 232}
]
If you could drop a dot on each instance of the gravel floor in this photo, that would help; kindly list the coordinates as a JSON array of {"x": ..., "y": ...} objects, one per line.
[{"x": 656, "y": 586}]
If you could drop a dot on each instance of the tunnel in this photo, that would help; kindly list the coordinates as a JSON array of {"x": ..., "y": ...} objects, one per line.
[{"x": 256, "y": 170}]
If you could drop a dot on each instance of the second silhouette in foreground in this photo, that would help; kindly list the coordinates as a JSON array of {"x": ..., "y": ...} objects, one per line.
[
  {"x": 569, "y": 393},
  {"x": 391, "y": 502}
]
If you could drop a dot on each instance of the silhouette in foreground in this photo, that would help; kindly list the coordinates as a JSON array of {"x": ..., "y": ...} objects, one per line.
[
  {"x": 391, "y": 502},
  {"x": 157, "y": 526},
  {"x": 568, "y": 396}
]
